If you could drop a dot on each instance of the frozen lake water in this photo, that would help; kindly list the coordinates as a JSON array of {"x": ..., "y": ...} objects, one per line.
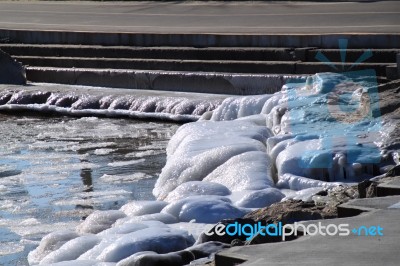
[{"x": 55, "y": 171}]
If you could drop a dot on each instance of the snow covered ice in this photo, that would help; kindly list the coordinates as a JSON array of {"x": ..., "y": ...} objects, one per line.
[{"x": 250, "y": 152}]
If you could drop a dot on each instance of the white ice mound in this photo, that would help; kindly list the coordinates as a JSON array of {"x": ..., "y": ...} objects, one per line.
[
  {"x": 246, "y": 171},
  {"x": 99, "y": 221},
  {"x": 197, "y": 149},
  {"x": 50, "y": 243},
  {"x": 143, "y": 207},
  {"x": 192, "y": 208},
  {"x": 260, "y": 198},
  {"x": 161, "y": 217},
  {"x": 208, "y": 211},
  {"x": 160, "y": 240},
  {"x": 193, "y": 188},
  {"x": 72, "y": 249}
]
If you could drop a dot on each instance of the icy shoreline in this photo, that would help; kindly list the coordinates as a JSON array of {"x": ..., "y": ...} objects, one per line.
[{"x": 248, "y": 153}]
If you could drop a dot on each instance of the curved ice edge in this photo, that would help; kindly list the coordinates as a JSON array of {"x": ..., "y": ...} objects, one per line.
[{"x": 44, "y": 108}]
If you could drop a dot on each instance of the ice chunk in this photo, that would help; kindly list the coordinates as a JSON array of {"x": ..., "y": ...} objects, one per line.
[
  {"x": 160, "y": 240},
  {"x": 197, "y": 149},
  {"x": 261, "y": 198},
  {"x": 72, "y": 249},
  {"x": 143, "y": 207},
  {"x": 123, "y": 229},
  {"x": 49, "y": 243},
  {"x": 162, "y": 217},
  {"x": 175, "y": 207},
  {"x": 125, "y": 178},
  {"x": 99, "y": 221},
  {"x": 92, "y": 254},
  {"x": 304, "y": 194},
  {"x": 103, "y": 151},
  {"x": 124, "y": 163},
  {"x": 193, "y": 188},
  {"x": 294, "y": 182},
  {"x": 247, "y": 171},
  {"x": 208, "y": 211}
]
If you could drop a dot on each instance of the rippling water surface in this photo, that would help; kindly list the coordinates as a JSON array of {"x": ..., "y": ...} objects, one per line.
[{"x": 54, "y": 171}]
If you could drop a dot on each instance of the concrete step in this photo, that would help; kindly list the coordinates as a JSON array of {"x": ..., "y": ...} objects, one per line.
[
  {"x": 184, "y": 53},
  {"x": 223, "y": 66},
  {"x": 192, "y": 53},
  {"x": 204, "y": 82},
  {"x": 276, "y": 67},
  {"x": 353, "y": 55}
]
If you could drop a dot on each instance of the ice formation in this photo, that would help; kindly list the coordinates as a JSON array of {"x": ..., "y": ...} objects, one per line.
[
  {"x": 179, "y": 108},
  {"x": 243, "y": 155}
]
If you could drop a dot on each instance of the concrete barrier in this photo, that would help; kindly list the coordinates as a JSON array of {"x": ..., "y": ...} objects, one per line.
[{"x": 11, "y": 71}]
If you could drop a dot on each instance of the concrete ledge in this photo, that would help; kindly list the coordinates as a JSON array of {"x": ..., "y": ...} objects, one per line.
[
  {"x": 202, "y": 82},
  {"x": 391, "y": 72},
  {"x": 349, "y": 210},
  {"x": 352, "y": 249},
  {"x": 222, "y": 66},
  {"x": 201, "y": 40},
  {"x": 390, "y": 188},
  {"x": 233, "y": 259}
]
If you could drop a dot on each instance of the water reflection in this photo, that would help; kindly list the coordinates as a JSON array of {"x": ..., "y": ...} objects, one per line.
[{"x": 86, "y": 176}]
